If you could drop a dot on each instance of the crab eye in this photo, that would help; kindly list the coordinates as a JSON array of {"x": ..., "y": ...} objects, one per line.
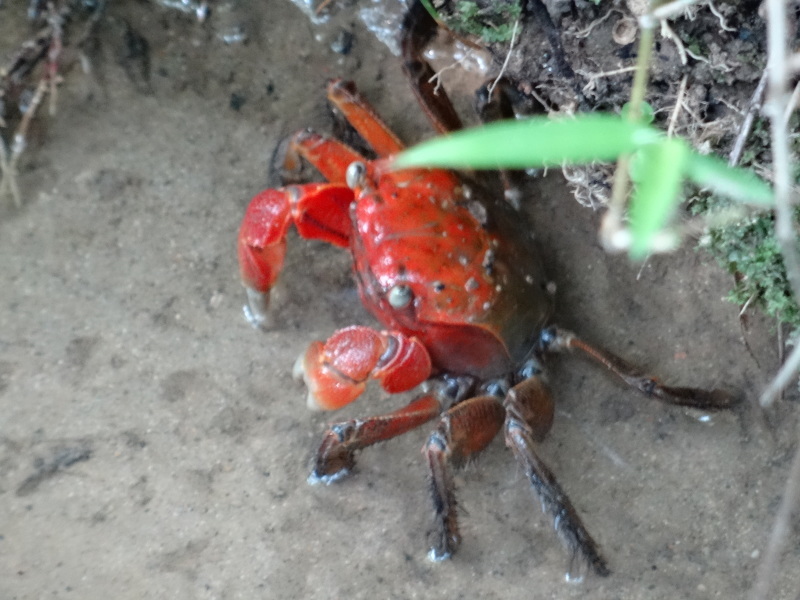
[
  {"x": 400, "y": 296},
  {"x": 354, "y": 176}
]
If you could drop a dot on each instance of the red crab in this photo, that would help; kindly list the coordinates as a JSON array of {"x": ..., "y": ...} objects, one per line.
[{"x": 451, "y": 273}]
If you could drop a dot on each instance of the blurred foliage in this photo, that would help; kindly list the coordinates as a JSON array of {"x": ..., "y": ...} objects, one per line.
[
  {"x": 491, "y": 20},
  {"x": 748, "y": 248},
  {"x": 659, "y": 164},
  {"x": 749, "y": 251}
]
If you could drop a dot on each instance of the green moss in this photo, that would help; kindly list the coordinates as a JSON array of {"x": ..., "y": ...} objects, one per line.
[
  {"x": 748, "y": 250},
  {"x": 491, "y": 20}
]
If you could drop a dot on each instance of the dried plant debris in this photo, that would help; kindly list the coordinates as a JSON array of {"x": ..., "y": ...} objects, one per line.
[
  {"x": 578, "y": 56},
  {"x": 64, "y": 33},
  {"x": 32, "y": 71},
  {"x": 706, "y": 84}
]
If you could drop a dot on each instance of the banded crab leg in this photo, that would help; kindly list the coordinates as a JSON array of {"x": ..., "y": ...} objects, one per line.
[
  {"x": 529, "y": 415},
  {"x": 526, "y": 415},
  {"x": 419, "y": 28},
  {"x": 554, "y": 339},
  {"x": 336, "y": 454},
  {"x": 463, "y": 431}
]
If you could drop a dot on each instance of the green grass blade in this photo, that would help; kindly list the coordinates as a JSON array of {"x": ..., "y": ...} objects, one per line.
[
  {"x": 659, "y": 174},
  {"x": 431, "y": 10},
  {"x": 533, "y": 142},
  {"x": 738, "y": 184}
]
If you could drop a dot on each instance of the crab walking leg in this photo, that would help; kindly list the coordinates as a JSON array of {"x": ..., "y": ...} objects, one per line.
[
  {"x": 554, "y": 339},
  {"x": 319, "y": 211},
  {"x": 327, "y": 155},
  {"x": 464, "y": 430},
  {"x": 336, "y": 455},
  {"x": 336, "y": 372},
  {"x": 525, "y": 405},
  {"x": 419, "y": 28},
  {"x": 360, "y": 114}
]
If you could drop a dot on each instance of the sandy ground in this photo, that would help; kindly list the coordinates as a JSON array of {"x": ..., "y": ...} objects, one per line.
[{"x": 154, "y": 445}]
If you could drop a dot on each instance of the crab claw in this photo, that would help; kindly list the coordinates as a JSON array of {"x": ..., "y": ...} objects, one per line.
[
  {"x": 336, "y": 372},
  {"x": 262, "y": 248},
  {"x": 318, "y": 211},
  {"x": 328, "y": 389}
]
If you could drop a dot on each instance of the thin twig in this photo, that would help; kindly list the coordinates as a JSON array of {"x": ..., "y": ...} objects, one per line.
[
  {"x": 665, "y": 11},
  {"x": 677, "y": 109},
  {"x": 593, "y": 77},
  {"x": 8, "y": 180},
  {"x": 585, "y": 32},
  {"x": 437, "y": 76},
  {"x": 783, "y": 378},
  {"x": 775, "y": 108},
  {"x": 508, "y": 57},
  {"x": 46, "y": 46},
  {"x": 10, "y": 158},
  {"x": 780, "y": 531},
  {"x": 792, "y": 105},
  {"x": 667, "y": 33},
  {"x": 612, "y": 234},
  {"x": 548, "y": 108},
  {"x": 777, "y": 66},
  {"x": 746, "y": 305},
  {"x": 747, "y": 123},
  {"x": 722, "y": 23}
]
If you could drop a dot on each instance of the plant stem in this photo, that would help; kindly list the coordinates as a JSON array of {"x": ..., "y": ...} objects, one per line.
[
  {"x": 642, "y": 71},
  {"x": 775, "y": 108},
  {"x": 781, "y": 529},
  {"x": 611, "y": 225}
]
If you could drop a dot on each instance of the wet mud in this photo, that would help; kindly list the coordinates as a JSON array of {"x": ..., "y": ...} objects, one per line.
[{"x": 154, "y": 445}]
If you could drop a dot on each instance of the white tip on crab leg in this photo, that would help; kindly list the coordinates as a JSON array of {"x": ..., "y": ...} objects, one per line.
[
  {"x": 256, "y": 311},
  {"x": 436, "y": 557},
  {"x": 299, "y": 370},
  {"x": 314, "y": 479},
  {"x": 311, "y": 402},
  {"x": 299, "y": 374}
]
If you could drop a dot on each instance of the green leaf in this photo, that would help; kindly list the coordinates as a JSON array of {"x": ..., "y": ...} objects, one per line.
[
  {"x": 659, "y": 170},
  {"x": 533, "y": 142},
  {"x": 431, "y": 11},
  {"x": 738, "y": 184}
]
